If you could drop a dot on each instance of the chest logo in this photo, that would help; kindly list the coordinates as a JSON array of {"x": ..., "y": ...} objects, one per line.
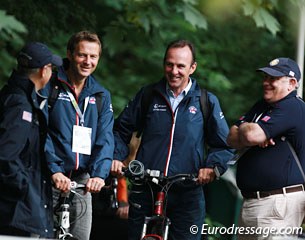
[
  {"x": 92, "y": 100},
  {"x": 159, "y": 107},
  {"x": 193, "y": 109}
]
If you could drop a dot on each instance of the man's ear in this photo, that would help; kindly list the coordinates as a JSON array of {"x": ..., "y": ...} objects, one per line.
[{"x": 193, "y": 68}]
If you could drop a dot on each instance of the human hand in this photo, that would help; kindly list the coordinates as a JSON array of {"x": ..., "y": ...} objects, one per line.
[
  {"x": 206, "y": 175},
  {"x": 267, "y": 143},
  {"x": 116, "y": 167},
  {"x": 94, "y": 185},
  {"x": 61, "y": 182},
  {"x": 122, "y": 212}
]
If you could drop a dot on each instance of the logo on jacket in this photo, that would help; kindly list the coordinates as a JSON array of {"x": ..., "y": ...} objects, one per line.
[
  {"x": 221, "y": 115},
  {"x": 193, "y": 110},
  {"x": 92, "y": 100},
  {"x": 64, "y": 96},
  {"x": 159, "y": 107}
]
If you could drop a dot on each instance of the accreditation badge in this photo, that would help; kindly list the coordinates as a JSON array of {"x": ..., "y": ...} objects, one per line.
[{"x": 81, "y": 140}]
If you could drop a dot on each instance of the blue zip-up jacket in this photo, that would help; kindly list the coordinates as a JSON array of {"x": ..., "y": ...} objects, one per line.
[
  {"x": 63, "y": 117},
  {"x": 25, "y": 183},
  {"x": 173, "y": 142}
]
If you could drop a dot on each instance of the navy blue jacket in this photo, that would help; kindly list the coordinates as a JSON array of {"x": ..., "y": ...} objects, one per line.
[
  {"x": 174, "y": 142},
  {"x": 26, "y": 194},
  {"x": 61, "y": 120},
  {"x": 274, "y": 167}
]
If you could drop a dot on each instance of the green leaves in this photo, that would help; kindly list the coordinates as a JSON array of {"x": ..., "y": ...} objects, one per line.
[
  {"x": 9, "y": 24},
  {"x": 11, "y": 38},
  {"x": 194, "y": 17},
  {"x": 257, "y": 9}
]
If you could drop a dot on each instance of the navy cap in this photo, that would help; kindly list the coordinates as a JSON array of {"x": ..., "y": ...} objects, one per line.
[
  {"x": 280, "y": 67},
  {"x": 37, "y": 55}
]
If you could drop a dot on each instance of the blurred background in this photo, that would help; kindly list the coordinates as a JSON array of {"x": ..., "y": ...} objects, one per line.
[{"x": 232, "y": 39}]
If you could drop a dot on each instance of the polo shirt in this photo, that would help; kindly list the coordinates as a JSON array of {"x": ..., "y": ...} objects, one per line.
[{"x": 274, "y": 167}]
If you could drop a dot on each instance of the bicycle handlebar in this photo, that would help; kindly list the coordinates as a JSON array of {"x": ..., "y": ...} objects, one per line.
[{"x": 135, "y": 171}]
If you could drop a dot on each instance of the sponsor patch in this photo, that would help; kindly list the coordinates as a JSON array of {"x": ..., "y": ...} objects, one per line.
[{"x": 159, "y": 108}]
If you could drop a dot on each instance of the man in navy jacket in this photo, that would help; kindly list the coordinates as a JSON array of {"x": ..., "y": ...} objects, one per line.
[
  {"x": 173, "y": 142},
  {"x": 80, "y": 146},
  {"x": 26, "y": 193}
]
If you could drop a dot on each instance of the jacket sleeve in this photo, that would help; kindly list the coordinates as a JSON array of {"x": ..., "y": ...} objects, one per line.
[
  {"x": 128, "y": 122},
  {"x": 219, "y": 153},
  {"x": 55, "y": 164},
  {"x": 15, "y": 127},
  {"x": 102, "y": 152}
]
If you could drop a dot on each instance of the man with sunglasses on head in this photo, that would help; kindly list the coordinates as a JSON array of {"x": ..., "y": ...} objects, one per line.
[{"x": 270, "y": 172}]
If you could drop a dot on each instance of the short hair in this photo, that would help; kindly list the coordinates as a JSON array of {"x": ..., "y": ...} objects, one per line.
[
  {"x": 83, "y": 36},
  {"x": 180, "y": 44},
  {"x": 26, "y": 71}
]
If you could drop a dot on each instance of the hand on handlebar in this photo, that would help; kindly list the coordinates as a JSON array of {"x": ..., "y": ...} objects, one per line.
[
  {"x": 116, "y": 167},
  {"x": 94, "y": 185},
  {"x": 61, "y": 182},
  {"x": 206, "y": 175}
]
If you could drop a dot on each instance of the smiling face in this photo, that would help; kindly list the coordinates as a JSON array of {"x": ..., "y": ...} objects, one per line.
[
  {"x": 178, "y": 66},
  {"x": 83, "y": 60},
  {"x": 276, "y": 88}
]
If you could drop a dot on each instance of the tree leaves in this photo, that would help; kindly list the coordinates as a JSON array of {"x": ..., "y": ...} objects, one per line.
[{"x": 257, "y": 10}]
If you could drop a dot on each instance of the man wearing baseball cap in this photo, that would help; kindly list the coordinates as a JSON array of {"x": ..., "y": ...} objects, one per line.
[
  {"x": 270, "y": 172},
  {"x": 26, "y": 194}
]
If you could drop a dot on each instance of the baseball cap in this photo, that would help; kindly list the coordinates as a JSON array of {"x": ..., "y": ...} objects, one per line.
[
  {"x": 280, "y": 67},
  {"x": 37, "y": 55}
]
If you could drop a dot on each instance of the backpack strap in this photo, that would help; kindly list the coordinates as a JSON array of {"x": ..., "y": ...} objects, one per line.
[
  {"x": 98, "y": 97},
  {"x": 146, "y": 100}
]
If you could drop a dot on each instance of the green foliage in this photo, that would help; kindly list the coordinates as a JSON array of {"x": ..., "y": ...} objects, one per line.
[
  {"x": 11, "y": 33},
  {"x": 230, "y": 37},
  {"x": 258, "y": 9}
]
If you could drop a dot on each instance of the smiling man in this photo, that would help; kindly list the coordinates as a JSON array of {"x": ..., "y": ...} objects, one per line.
[
  {"x": 268, "y": 173},
  {"x": 80, "y": 144},
  {"x": 173, "y": 142}
]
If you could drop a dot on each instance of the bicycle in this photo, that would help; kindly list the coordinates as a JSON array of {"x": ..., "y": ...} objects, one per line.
[
  {"x": 62, "y": 213},
  {"x": 155, "y": 227}
]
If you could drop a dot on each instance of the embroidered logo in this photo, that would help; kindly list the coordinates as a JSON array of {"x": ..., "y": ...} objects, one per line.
[
  {"x": 221, "y": 115},
  {"x": 92, "y": 100},
  {"x": 274, "y": 62},
  {"x": 159, "y": 108},
  {"x": 27, "y": 116},
  {"x": 193, "y": 110}
]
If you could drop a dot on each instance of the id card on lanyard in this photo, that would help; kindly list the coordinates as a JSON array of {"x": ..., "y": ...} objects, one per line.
[{"x": 81, "y": 138}]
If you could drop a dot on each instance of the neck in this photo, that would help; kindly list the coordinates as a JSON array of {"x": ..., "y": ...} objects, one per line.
[{"x": 77, "y": 83}]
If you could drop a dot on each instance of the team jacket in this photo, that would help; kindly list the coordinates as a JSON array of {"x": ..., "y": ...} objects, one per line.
[
  {"x": 173, "y": 142},
  {"x": 274, "y": 167},
  {"x": 26, "y": 194},
  {"x": 61, "y": 120}
]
